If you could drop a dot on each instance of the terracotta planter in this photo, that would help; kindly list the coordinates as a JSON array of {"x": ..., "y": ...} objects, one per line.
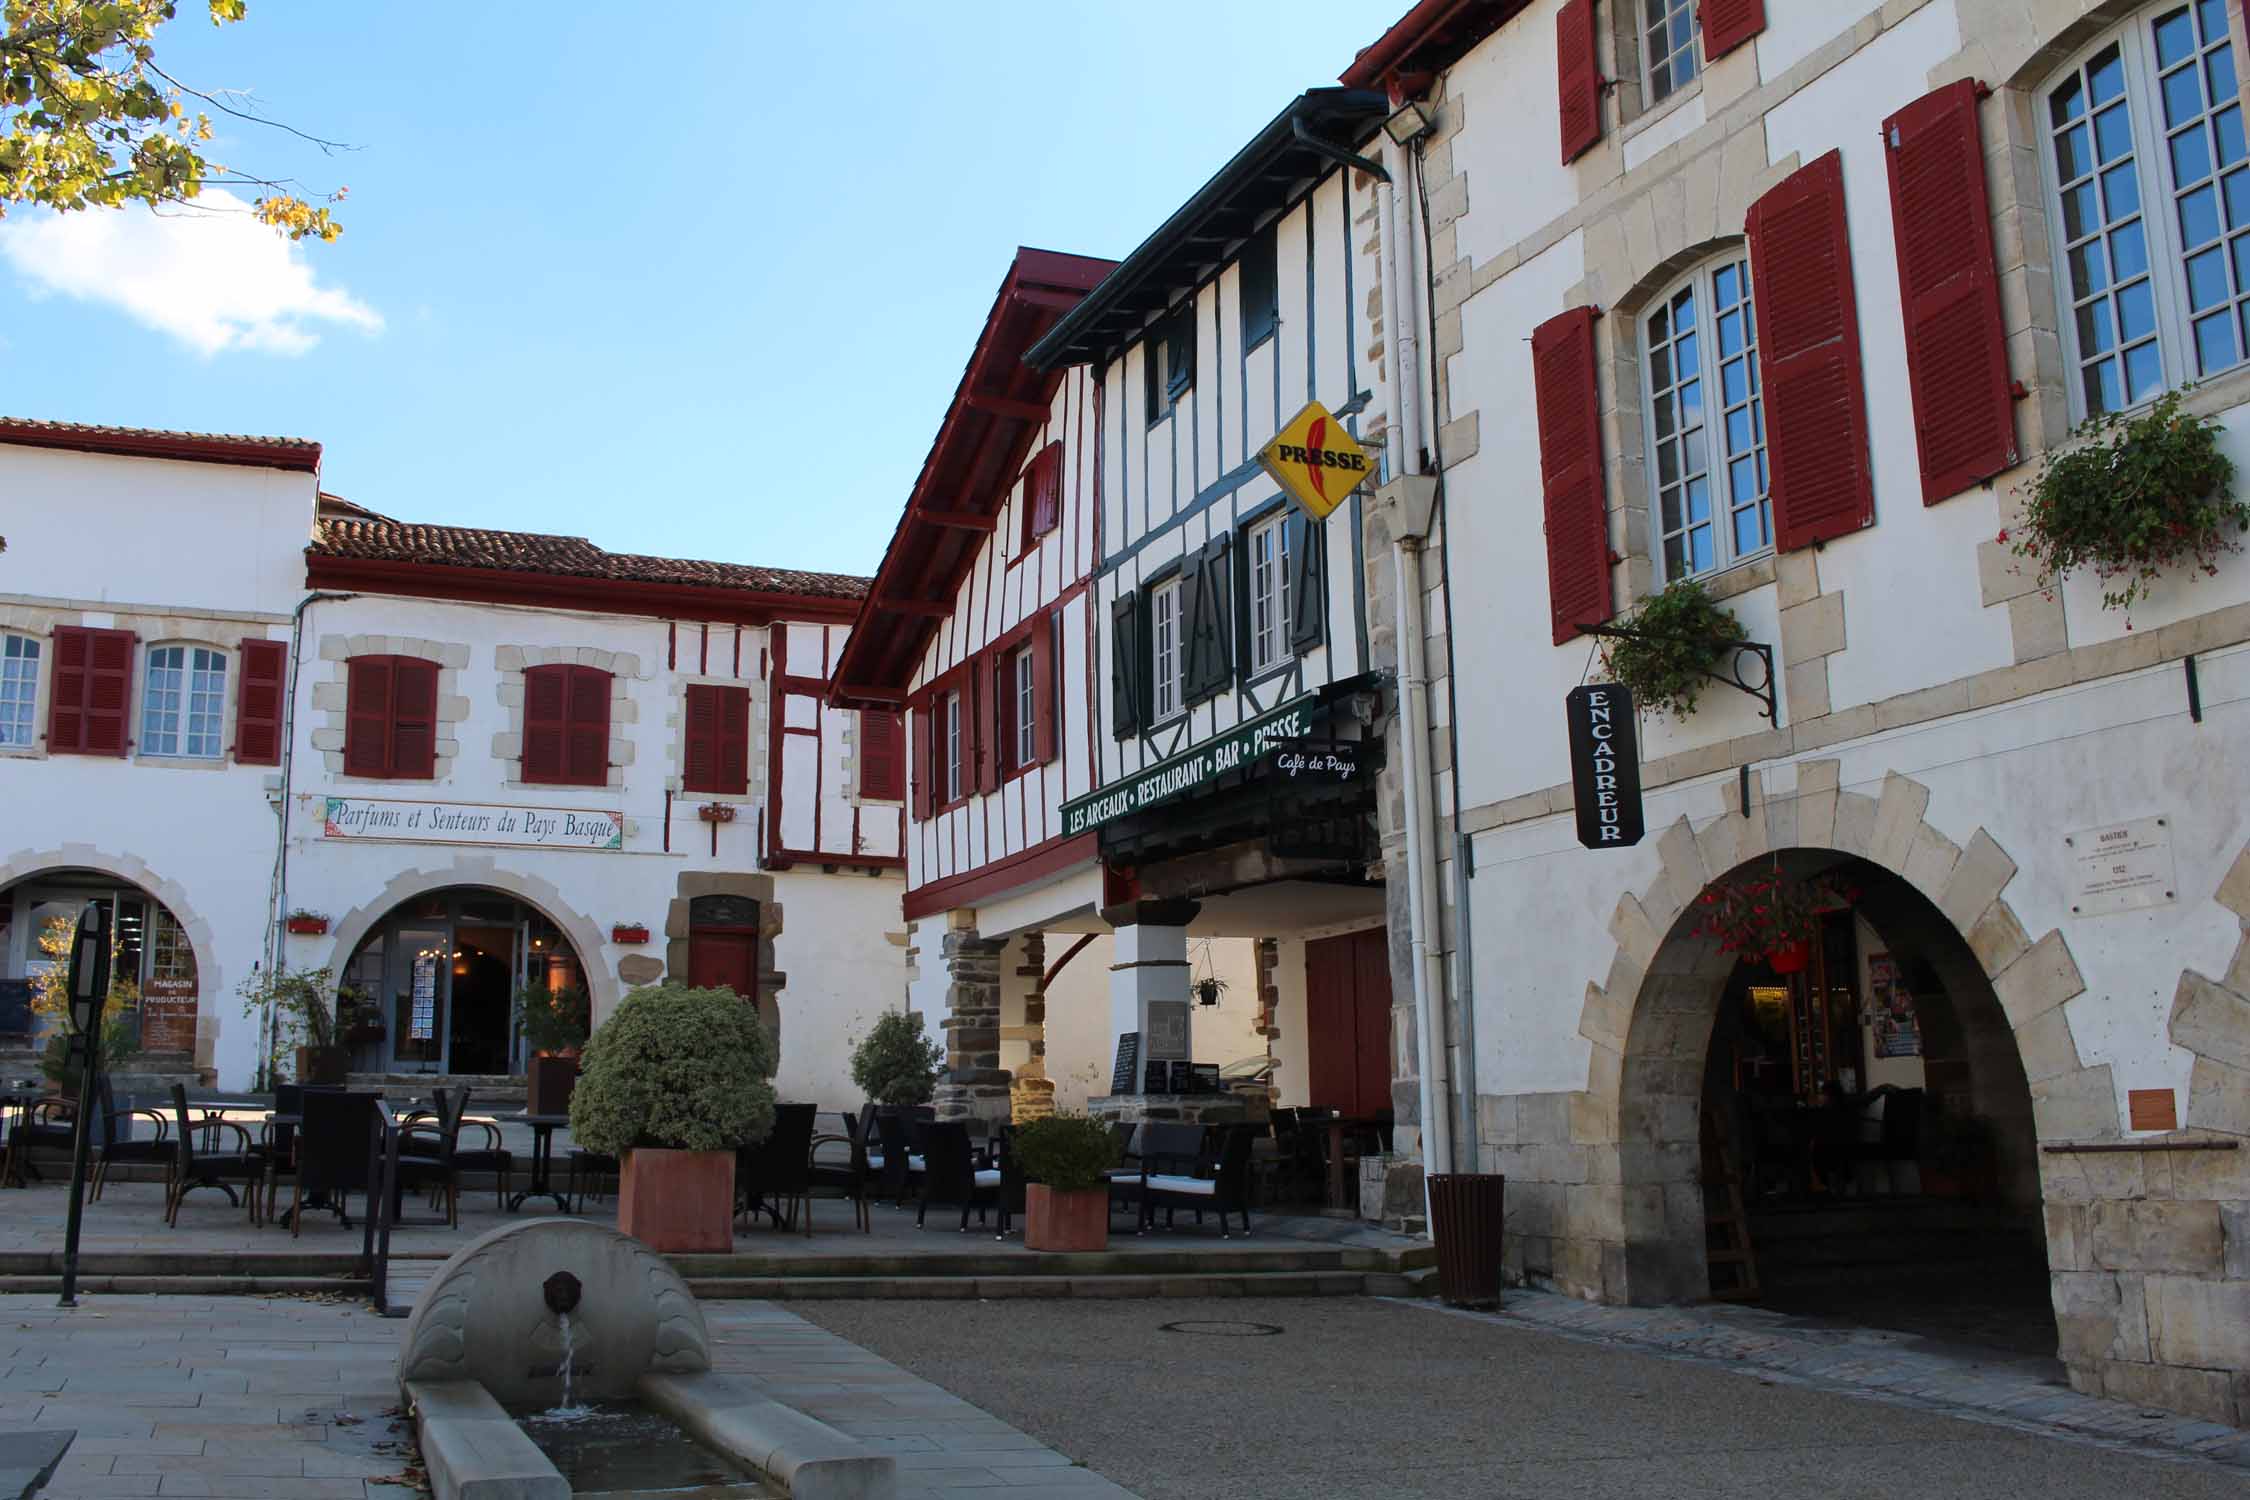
[
  {"x": 1065, "y": 1221},
  {"x": 1790, "y": 958},
  {"x": 551, "y": 1080},
  {"x": 674, "y": 1201},
  {"x": 628, "y": 934},
  {"x": 323, "y": 1064}
]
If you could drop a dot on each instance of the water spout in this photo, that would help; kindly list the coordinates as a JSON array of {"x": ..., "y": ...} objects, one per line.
[{"x": 567, "y": 1410}]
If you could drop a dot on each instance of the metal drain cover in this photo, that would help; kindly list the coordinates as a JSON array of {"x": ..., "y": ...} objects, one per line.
[{"x": 1220, "y": 1328}]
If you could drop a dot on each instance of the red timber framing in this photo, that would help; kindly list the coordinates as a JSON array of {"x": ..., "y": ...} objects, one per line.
[
  {"x": 706, "y": 603},
  {"x": 782, "y": 684},
  {"x": 972, "y": 886}
]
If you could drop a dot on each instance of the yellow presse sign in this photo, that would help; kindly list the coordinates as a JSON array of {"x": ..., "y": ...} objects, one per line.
[{"x": 1315, "y": 461}]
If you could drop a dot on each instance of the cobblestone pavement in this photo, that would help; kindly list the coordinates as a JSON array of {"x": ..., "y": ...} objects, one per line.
[{"x": 235, "y": 1397}]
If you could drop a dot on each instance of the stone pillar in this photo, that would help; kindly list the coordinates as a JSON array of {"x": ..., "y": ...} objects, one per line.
[
  {"x": 973, "y": 1086},
  {"x": 1148, "y": 982},
  {"x": 1032, "y": 1095}
]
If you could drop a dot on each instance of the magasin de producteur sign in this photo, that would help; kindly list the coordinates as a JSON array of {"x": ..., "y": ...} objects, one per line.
[{"x": 1191, "y": 769}]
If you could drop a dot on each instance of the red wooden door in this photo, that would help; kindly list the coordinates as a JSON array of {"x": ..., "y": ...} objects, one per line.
[
  {"x": 726, "y": 960},
  {"x": 1348, "y": 1022}
]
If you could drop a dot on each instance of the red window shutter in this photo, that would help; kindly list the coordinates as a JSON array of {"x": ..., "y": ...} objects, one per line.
[
  {"x": 1042, "y": 500},
  {"x": 1045, "y": 637},
  {"x": 1578, "y": 71},
  {"x": 257, "y": 703},
  {"x": 413, "y": 718},
  {"x": 1808, "y": 353},
  {"x": 546, "y": 690},
  {"x": 880, "y": 761},
  {"x": 1956, "y": 345},
  {"x": 734, "y": 741},
  {"x": 700, "y": 770},
  {"x": 586, "y": 732},
  {"x": 1727, "y": 24},
  {"x": 1570, "y": 470},
  {"x": 66, "y": 706},
  {"x": 367, "y": 716},
  {"x": 989, "y": 673},
  {"x": 718, "y": 739},
  {"x": 925, "y": 762},
  {"x": 109, "y": 691}
]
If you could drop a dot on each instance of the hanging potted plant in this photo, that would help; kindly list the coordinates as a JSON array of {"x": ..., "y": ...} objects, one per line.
[
  {"x": 2139, "y": 496},
  {"x": 628, "y": 934},
  {"x": 1063, "y": 1159},
  {"x": 894, "y": 1064},
  {"x": 1681, "y": 636},
  {"x": 673, "y": 1084},
  {"x": 304, "y": 1006},
  {"x": 554, "y": 1024},
  {"x": 303, "y": 923},
  {"x": 1208, "y": 989},
  {"x": 1767, "y": 915}
]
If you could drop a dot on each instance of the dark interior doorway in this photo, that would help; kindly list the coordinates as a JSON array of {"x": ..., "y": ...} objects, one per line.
[{"x": 484, "y": 963}]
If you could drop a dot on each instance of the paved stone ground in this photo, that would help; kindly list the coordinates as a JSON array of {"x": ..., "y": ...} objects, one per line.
[
  {"x": 237, "y": 1397},
  {"x": 1364, "y": 1398}
]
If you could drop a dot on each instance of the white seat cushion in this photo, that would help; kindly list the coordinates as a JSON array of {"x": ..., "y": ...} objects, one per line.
[
  {"x": 875, "y": 1161},
  {"x": 1165, "y": 1182},
  {"x": 913, "y": 1162},
  {"x": 1132, "y": 1172},
  {"x": 989, "y": 1178}
]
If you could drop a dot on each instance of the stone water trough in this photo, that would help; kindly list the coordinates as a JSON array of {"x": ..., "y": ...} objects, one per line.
[{"x": 551, "y": 1313}]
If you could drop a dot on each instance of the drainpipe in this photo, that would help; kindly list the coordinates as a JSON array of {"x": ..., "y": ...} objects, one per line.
[{"x": 280, "y": 902}]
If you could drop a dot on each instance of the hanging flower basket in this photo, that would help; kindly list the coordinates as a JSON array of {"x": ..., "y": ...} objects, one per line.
[
  {"x": 1764, "y": 914},
  {"x": 306, "y": 923},
  {"x": 1790, "y": 958},
  {"x": 628, "y": 933}
]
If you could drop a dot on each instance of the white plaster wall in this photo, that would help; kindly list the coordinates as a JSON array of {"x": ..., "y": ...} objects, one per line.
[
  {"x": 1082, "y": 1047},
  {"x": 1794, "y": 30},
  {"x": 1292, "y": 1078},
  {"x": 843, "y": 969},
  {"x": 1510, "y": 142}
]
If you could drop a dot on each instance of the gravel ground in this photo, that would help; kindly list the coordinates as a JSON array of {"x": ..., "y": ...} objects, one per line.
[{"x": 1357, "y": 1397}]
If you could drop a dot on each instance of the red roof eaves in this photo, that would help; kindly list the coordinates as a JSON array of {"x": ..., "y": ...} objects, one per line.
[
  {"x": 1380, "y": 65},
  {"x": 663, "y": 601},
  {"x": 297, "y": 454}
]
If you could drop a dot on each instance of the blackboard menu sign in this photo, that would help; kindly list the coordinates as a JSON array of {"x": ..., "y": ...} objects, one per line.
[
  {"x": 1183, "y": 1078},
  {"x": 1128, "y": 1064},
  {"x": 1158, "y": 1080}
]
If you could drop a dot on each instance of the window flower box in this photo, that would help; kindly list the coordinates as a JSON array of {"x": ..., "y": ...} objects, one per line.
[
  {"x": 629, "y": 933},
  {"x": 305, "y": 923}
]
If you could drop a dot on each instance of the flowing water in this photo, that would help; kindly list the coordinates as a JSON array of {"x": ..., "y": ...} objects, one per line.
[
  {"x": 567, "y": 1410},
  {"x": 623, "y": 1447}
]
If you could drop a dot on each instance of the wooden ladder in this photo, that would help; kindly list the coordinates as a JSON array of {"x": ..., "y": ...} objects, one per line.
[{"x": 1734, "y": 1261}]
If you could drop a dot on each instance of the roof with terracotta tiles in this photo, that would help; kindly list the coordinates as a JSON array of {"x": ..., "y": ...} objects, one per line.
[
  {"x": 150, "y": 442},
  {"x": 375, "y": 539}
]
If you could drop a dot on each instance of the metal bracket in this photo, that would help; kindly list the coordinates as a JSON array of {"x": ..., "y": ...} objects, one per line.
[{"x": 1762, "y": 689}]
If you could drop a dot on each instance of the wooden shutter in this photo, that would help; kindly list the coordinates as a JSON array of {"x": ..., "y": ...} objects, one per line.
[
  {"x": 413, "y": 718},
  {"x": 546, "y": 694},
  {"x": 1949, "y": 291},
  {"x": 1308, "y": 584},
  {"x": 925, "y": 762},
  {"x": 90, "y": 698},
  {"x": 1193, "y": 667},
  {"x": 1578, "y": 78},
  {"x": 882, "y": 762},
  {"x": 367, "y": 716},
  {"x": 1727, "y": 24},
  {"x": 586, "y": 727},
  {"x": 1570, "y": 471},
  {"x": 717, "y": 752},
  {"x": 733, "y": 741},
  {"x": 1043, "y": 493},
  {"x": 257, "y": 703},
  {"x": 699, "y": 769},
  {"x": 1128, "y": 670},
  {"x": 1046, "y": 732},
  {"x": 1215, "y": 621},
  {"x": 988, "y": 674},
  {"x": 1808, "y": 356}
]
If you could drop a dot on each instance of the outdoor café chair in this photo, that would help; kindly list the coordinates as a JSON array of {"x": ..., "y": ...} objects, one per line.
[
  {"x": 1226, "y": 1189},
  {"x": 333, "y": 1149},
  {"x": 113, "y": 1146},
  {"x": 592, "y": 1169},
  {"x": 193, "y": 1168},
  {"x": 950, "y": 1175},
  {"x": 900, "y": 1163},
  {"x": 491, "y": 1157},
  {"x": 49, "y": 1122},
  {"x": 778, "y": 1169},
  {"x": 847, "y": 1178}
]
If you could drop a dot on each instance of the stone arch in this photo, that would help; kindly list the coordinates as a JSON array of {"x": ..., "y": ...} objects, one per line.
[
  {"x": 602, "y": 988},
  {"x": 212, "y": 980},
  {"x": 1653, "y": 1010},
  {"x": 2211, "y": 1019}
]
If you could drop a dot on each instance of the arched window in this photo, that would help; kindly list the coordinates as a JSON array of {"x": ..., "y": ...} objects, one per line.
[
  {"x": 1705, "y": 423},
  {"x": 19, "y": 691},
  {"x": 183, "y": 702},
  {"x": 2145, "y": 153}
]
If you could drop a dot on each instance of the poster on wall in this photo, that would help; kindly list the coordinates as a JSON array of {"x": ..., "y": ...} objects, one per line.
[
  {"x": 168, "y": 1014},
  {"x": 422, "y": 1023},
  {"x": 1898, "y": 1031}
]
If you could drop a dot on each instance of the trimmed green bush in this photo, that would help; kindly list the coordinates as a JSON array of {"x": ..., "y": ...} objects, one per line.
[
  {"x": 1068, "y": 1153},
  {"x": 553, "y": 1021},
  {"x": 894, "y": 1063},
  {"x": 677, "y": 1068}
]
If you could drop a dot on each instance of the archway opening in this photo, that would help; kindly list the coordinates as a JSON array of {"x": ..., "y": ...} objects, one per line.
[
  {"x": 155, "y": 984},
  {"x": 1840, "y": 1126},
  {"x": 435, "y": 986}
]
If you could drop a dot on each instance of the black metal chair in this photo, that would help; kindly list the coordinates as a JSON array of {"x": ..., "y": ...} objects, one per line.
[
  {"x": 492, "y": 1156},
  {"x": 1221, "y": 1183},
  {"x": 430, "y": 1155},
  {"x": 900, "y": 1163},
  {"x": 778, "y": 1169},
  {"x": 47, "y": 1123},
  {"x": 848, "y": 1178},
  {"x": 950, "y": 1175},
  {"x": 209, "y": 1167},
  {"x": 588, "y": 1168},
  {"x": 113, "y": 1146},
  {"x": 334, "y": 1147}
]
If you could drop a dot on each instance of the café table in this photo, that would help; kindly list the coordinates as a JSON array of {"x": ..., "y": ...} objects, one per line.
[{"x": 543, "y": 1128}]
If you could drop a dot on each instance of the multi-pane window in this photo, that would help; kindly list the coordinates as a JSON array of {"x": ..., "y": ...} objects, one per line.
[
  {"x": 2145, "y": 136},
  {"x": 1269, "y": 594},
  {"x": 953, "y": 747},
  {"x": 1668, "y": 45},
  {"x": 1168, "y": 680},
  {"x": 182, "y": 701},
  {"x": 19, "y": 689},
  {"x": 1024, "y": 682},
  {"x": 1706, "y": 423}
]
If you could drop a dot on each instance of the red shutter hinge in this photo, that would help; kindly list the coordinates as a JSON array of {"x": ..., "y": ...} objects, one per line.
[
  {"x": 2018, "y": 391},
  {"x": 1983, "y": 89}
]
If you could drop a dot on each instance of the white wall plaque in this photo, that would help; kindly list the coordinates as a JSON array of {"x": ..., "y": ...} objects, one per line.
[
  {"x": 2122, "y": 867},
  {"x": 435, "y": 822}
]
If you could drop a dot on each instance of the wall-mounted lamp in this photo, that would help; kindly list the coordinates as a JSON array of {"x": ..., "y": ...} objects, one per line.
[{"x": 1409, "y": 125}]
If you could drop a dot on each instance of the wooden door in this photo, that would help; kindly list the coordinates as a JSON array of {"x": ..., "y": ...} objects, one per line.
[
  {"x": 726, "y": 960},
  {"x": 1348, "y": 1022}
]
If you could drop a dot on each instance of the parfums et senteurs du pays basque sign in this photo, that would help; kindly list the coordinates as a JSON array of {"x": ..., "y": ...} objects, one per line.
[
  {"x": 433, "y": 822},
  {"x": 1191, "y": 769}
]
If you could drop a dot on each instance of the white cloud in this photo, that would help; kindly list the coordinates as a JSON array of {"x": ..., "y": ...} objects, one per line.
[{"x": 211, "y": 276}]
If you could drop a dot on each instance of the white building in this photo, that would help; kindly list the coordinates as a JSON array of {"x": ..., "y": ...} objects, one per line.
[{"x": 499, "y": 757}]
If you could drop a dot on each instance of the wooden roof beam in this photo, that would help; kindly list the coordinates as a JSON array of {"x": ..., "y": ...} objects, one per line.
[{"x": 959, "y": 520}]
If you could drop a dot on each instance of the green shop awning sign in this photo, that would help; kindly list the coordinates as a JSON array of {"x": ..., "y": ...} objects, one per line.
[{"x": 1191, "y": 769}]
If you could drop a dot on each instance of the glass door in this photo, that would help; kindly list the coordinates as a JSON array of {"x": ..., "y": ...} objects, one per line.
[{"x": 419, "y": 991}]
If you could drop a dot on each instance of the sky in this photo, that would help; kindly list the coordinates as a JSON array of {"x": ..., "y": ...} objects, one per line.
[{"x": 693, "y": 281}]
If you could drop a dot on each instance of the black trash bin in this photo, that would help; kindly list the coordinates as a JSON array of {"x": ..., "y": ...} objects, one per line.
[{"x": 1466, "y": 1215}]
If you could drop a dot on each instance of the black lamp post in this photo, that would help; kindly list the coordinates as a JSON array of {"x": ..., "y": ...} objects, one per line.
[{"x": 89, "y": 996}]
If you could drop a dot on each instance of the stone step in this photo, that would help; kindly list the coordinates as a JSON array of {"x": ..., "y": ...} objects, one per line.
[{"x": 1209, "y": 1283}]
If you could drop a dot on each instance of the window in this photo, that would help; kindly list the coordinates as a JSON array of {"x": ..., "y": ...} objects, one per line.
[
  {"x": 718, "y": 740},
  {"x": 1707, "y": 469},
  {"x": 1169, "y": 676},
  {"x": 390, "y": 717},
  {"x": 1269, "y": 593},
  {"x": 19, "y": 689},
  {"x": 1261, "y": 299},
  {"x": 1042, "y": 496},
  {"x": 566, "y": 725},
  {"x": 1168, "y": 362},
  {"x": 1023, "y": 674},
  {"x": 1667, "y": 46},
  {"x": 952, "y": 747},
  {"x": 2152, "y": 119},
  {"x": 181, "y": 701}
]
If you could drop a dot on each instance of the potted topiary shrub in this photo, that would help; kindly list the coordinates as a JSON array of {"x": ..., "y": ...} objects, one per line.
[
  {"x": 2139, "y": 496},
  {"x": 1682, "y": 634},
  {"x": 554, "y": 1024},
  {"x": 894, "y": 1063},
  {"x": 304, "y": 1006},
  {"x": 672, "y": 1084},
  {"x": 1066, "y": 1197}
]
